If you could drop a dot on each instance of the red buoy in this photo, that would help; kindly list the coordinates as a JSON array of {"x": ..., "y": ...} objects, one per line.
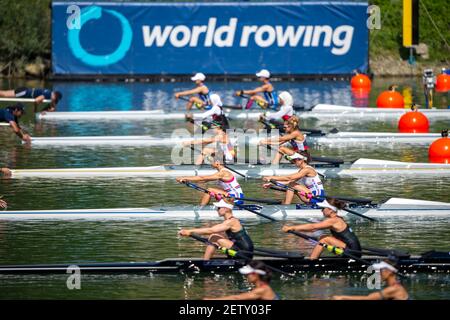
[
  {"x": 443, "y": 82},
  {"x": 413, "y": 122},
  {"x": 439, "y": 151},
  {"x": 390, "y": 99},
  {"x": 360, "y": 81}
]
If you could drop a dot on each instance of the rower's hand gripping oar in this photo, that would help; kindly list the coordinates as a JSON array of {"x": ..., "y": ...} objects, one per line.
[
  {"x": 198, "y": 188},
  {"x": 281, "y": 185}
]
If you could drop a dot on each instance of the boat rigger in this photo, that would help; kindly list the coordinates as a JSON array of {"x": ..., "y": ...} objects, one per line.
[
  {"x": 320, "y": 111},
  {"x": 394, "y": 207},
  {"x": 361, "y": 168}
]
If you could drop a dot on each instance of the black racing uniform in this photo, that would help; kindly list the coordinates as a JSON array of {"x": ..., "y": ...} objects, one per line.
[
  {"x": 241, "y": 241},
  {"x": 349, "y": 238}
]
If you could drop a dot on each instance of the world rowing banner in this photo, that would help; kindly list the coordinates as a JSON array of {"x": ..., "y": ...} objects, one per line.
[{"x": 213, "y": 38}]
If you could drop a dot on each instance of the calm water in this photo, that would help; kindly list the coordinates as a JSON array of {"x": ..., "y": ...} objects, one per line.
[{"x": 138, "y": 240}]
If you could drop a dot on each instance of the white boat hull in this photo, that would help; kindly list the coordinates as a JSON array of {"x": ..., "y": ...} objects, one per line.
[
  {"x": 394, "y": 207},
  {"x": 359, "y": 169},
  {"x": 320, "y": 111},
  {"x": 330, "y": 139}
]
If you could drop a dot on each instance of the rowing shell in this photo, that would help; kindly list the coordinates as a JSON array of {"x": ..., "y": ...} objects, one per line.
[
  {"x": 394, "y": 207},
  {"x": 319, "y": 111},
  {"x": 330, "y": 139},
  {"x": 360, "y": 168},
  {"x": 430, "y": 262}
]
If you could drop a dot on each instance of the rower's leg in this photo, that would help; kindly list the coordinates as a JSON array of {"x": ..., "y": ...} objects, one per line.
[
  {"x": 205, "y": 199},
  {"x": 209, "y": 252},
  {"x": 205, "y": 152},
  {"x": 7, "y": 93},
  {"x": 260, "y": 101},
  {"x": 287, "y": 151},
  {"x": 303, "y": 189},
  {"x": 329, "y": 240},
  {"x": 191, "y": 102},
  {"x": 216, "y": 191},
  {"x": 277, "y": 158},
  {"x": 289, "y": 197}
]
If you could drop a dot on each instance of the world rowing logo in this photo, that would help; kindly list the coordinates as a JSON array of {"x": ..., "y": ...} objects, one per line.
[{"x": 95, "y": 12}]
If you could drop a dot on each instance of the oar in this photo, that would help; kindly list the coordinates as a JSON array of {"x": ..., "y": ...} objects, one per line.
[
  {"x": 281, "y": 185},
  {"x": 198, "y": 188},
  {"x": 237, "y": 254}
]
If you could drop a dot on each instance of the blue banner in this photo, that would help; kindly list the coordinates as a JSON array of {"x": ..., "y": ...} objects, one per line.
[{"x": 213, "y": 38}]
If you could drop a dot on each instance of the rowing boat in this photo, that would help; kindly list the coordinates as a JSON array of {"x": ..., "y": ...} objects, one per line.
[
  {"x": 320, "y": 111},
  {"x": 330, "y": 139},
  {"x": 394, "y": 207},
  {"x": 430, "y": 262},
  {"x": 360, "y": 168}
]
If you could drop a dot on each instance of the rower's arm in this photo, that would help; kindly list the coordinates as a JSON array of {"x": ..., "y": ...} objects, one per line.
[
  {"x": 213, "y": 177},
  {"x": 257, "y": 90},
  {"x": 17, "y": 130},
  {"x": 292, "y": 177},
  {"x": 326, "y": 224},
  {"x": 189, "y": 92},
  {"x": 286, "y": 137},
  {"x": 372, "y": 296},
  {"x": 222, "y": 227},
  {"x": 201, "y": 141},
  {"x": 251, "y": 295}
]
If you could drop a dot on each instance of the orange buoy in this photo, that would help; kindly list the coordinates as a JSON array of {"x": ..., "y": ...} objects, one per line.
[
  {"x": 390, "y": 99},
  {"x": 439, "y": 151},
  {"x": 443, "y": 82},
  {"x": 413, "y": 122},
  {"x": 360, "y": 81}
]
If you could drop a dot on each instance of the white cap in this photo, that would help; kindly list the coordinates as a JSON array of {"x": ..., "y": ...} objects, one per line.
[
  {"x": 247, "y": 270},
  {"x": 383, "y": 265},
  {"x": 215, "y": 100},
  {"x": 263, "y": 74},
  {"x": 296, "y": 156},
  {"x": 287, "y": 98},
  {"x": 198, "y": 76},
  {"x": 326, "y": 204},
  {"x": 223, "y": 204}
]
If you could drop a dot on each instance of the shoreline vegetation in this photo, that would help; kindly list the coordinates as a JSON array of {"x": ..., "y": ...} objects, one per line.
[{"x": 25, "y": 45}]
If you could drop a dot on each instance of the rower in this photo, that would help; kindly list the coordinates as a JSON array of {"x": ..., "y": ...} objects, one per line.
[
  {"x": 228, "y": 185},
  {"x": 220, "y": 138},
  {"x": 292, "y": 141},
  {"x": 38, "y": 94},
  {"x": 306, "y": 181},
  {"x": 270, "y": 98},
  {"x": 203, "y": 101},
  {"x": 259, "y": 276},
  {"x": 393, "y": 291},
  {"x": 236, "y": 237},
  {"x": 286, "y": 111},
  {"x": 216, "y": 113},
  {"x": 342, "y": 236},
  {"x": 12, "y": 115}
]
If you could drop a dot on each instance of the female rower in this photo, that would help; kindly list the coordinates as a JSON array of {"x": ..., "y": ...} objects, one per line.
[
  {"x": 228, "y": 185},
  {"x": 222, "y": 141},
  {"x": 270, "y": 98},
  {"x": 259, "y": 276},
  {"x": 342, "y": 236},
  {"x": 393, "y": 291},
  {"x": 203, "y": 101},
  {"x": 292, "y": 141},
  {"x": 214, "y": 114},
  {"x": 286, "y": 111},
  {"x": 236, "y": 237},
  {"x": 306, "y": 181}
]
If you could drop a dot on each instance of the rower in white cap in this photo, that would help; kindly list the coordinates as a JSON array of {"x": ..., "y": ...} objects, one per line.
[
  {"x": 286, "y": 103},
  {"x": 235, "y": 238},
  {"x": 393, "y": 291},
  {"x": 203, "y": 101},
  {"x": 259, "y": 276},
  {"x": 306, "y": 181},
  {"x": 270, "y": 98},
  {"x": 342, "y": 236},
  {"x": 216, "y": 113}
]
